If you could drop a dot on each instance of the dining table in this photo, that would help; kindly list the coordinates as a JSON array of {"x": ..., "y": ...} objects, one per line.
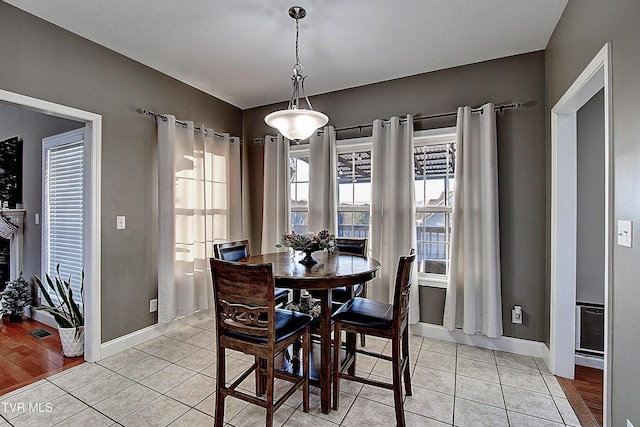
[{"x": 330, "y": 271}]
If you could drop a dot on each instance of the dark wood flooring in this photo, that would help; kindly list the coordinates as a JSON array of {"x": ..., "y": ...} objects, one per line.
[
  {"x": 589, "y": 382},
  {"x": 585, "y": 394},
  {"x": 25, "y": 359}
]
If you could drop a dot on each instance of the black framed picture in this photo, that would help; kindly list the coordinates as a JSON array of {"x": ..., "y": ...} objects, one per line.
[{"x": 11, "y": 171}]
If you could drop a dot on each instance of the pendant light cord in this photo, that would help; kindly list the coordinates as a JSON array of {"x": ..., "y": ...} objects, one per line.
[{"x": 297, "y": 47}]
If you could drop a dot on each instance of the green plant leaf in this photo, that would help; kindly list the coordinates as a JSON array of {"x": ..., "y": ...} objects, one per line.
[
  {"x": 60, "y": 319},
  {"x": 44, "y": 291},
  {"x": 67, "y": 313}
]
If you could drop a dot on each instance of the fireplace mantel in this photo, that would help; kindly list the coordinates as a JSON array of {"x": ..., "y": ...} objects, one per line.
[{"x": 16, "y": 241}]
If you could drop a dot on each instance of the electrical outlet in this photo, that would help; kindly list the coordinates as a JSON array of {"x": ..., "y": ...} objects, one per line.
[
  {"x": 153, "y": 305},
  {"x": 516, "y": 314}
]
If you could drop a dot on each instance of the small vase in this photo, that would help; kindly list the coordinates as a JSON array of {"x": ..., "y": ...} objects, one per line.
[
  {"x": 308, "y": 260},
  {"x": 305, "y": 303}
]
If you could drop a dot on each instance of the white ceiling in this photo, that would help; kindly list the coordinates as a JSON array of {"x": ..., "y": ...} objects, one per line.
[{"x": 242, "y": 51}]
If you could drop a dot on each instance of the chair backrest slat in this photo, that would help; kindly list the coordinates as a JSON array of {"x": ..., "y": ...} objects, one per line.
[
  {"x": 244, "y": 298},
  {"x": 403, "y": 286}
]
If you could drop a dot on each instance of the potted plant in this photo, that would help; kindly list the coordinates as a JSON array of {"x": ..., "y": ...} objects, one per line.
[
  {"x": 65, "y": 311},
  {"x": 15, "y": 297}
]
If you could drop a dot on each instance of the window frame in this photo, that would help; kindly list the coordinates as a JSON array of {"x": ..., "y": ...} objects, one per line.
[
  {"x": 296, "y": 151},
  {"x": 428, "y": 137},
  {"x": 351, "y": 145}
]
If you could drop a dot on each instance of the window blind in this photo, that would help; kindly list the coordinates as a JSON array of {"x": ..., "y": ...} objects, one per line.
[{"x": 63, "y": 193}]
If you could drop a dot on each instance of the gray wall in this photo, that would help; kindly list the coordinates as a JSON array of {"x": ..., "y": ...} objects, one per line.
[
  {"x": 41, "y": 60},
  {"x": 521, "y": 158},
  {"x": 31, "y": 127},
  {"x": 585, "y": 26},
  {"x": 590, "y": 249}
]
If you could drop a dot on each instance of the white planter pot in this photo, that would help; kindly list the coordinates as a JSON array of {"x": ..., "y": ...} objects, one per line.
[{"x": 72, "y": 343}]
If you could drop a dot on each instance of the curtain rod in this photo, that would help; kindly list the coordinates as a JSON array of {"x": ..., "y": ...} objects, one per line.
[
  {"x": 184, "y": 124},
  {"x": 498, "y": 108}
]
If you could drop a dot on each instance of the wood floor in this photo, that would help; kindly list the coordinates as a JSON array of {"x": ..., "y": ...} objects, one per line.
[
  {"x": 588, "y": 382},
  {"x": 585, "y": 394},
  {"x": 25, "y": 359}
]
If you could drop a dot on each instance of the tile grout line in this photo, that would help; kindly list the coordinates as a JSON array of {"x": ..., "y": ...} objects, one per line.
[{"x": 413, "y": 351}]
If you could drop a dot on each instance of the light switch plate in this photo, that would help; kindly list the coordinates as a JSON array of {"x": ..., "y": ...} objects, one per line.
[
  {"x": 625, "y": 233},
  {"x": 120, "y": 223}
]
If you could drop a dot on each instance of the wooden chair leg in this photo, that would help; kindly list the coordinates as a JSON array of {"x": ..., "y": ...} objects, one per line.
[
  {"x": 351, "y": 349},
  {"x": 363, "y": 295},
  {"x": 406, "y": 359},
  {"x": 397, "y": 382},
  {"x": 259, "y": 376},
  {"x": 269, "y": 398},
  {"x": 306, "y": 348},
  {"x": 220, "y": 384},
  {"x": 336, "y": 365}
]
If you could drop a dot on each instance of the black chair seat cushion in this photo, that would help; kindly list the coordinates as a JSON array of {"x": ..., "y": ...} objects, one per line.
[
  {"x": 341, "y": 294},
  {"x": 288, "y": 322},
  {"x": 281, "y": 293},
  {"x": 365, "y": 312}
]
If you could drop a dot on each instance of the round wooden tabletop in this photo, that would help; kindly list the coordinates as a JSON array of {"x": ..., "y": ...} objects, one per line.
[{"x": 332, "y": 270}]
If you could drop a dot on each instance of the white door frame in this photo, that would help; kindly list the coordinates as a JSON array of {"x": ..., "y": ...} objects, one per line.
[
  {"x": 596, "y": 76},
  {"x": 93, "y": 154}
]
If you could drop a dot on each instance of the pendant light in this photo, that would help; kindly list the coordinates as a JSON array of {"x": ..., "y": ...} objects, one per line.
[{"x": 297, "y": 123}]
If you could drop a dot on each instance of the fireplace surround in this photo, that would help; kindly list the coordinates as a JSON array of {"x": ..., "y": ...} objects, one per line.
[{"x": 16, "y": 242}]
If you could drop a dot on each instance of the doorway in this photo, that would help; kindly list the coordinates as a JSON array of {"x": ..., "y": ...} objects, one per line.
[
  {"x": 564, "y": 177},
  {"x": 92, "y": 155}
]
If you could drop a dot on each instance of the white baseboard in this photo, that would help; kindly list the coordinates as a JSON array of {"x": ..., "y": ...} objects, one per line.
[
  {"x": 508, "y": 344},
  {"x": 43, "y": 317},
  {"x": 589, "y": 361},
  {"x": 122, "y": 343}
]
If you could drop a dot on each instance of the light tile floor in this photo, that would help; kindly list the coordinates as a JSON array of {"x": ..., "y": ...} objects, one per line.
[{"x": 170, "y": 380}]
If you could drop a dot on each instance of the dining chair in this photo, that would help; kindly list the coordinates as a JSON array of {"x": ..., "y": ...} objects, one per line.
[
  {"x": 369, "y": 317},
  {"x": 239, "y": 250},
  {"x": 356, "y": 246},
  {"x": 342, "y": 294},
  {"x": 247, "y": 321}
]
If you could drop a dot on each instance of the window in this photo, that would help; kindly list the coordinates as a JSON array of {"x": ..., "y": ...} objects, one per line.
[
  {"x": 299, "y": 188},
  {"x": 63, "y": 207},
  {"x": 434, "y": 161},
  {"x": 216, "y": 186},
  {"x": 354, "y": 189},
  {"x": 434, "y": 183}
]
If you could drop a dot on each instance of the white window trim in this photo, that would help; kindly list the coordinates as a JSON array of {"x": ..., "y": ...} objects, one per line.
[
  {"x": 420, "y": 138},
  {"x": 425, "y": 138},
  {"x": 295, "y": 151}
]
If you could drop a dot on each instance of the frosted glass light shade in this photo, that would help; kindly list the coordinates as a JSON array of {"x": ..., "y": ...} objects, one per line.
[{"x": 296, "y": 124}]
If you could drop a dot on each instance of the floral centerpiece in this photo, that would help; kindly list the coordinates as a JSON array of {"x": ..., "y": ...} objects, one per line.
[{"x": 309, "y": 243}]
